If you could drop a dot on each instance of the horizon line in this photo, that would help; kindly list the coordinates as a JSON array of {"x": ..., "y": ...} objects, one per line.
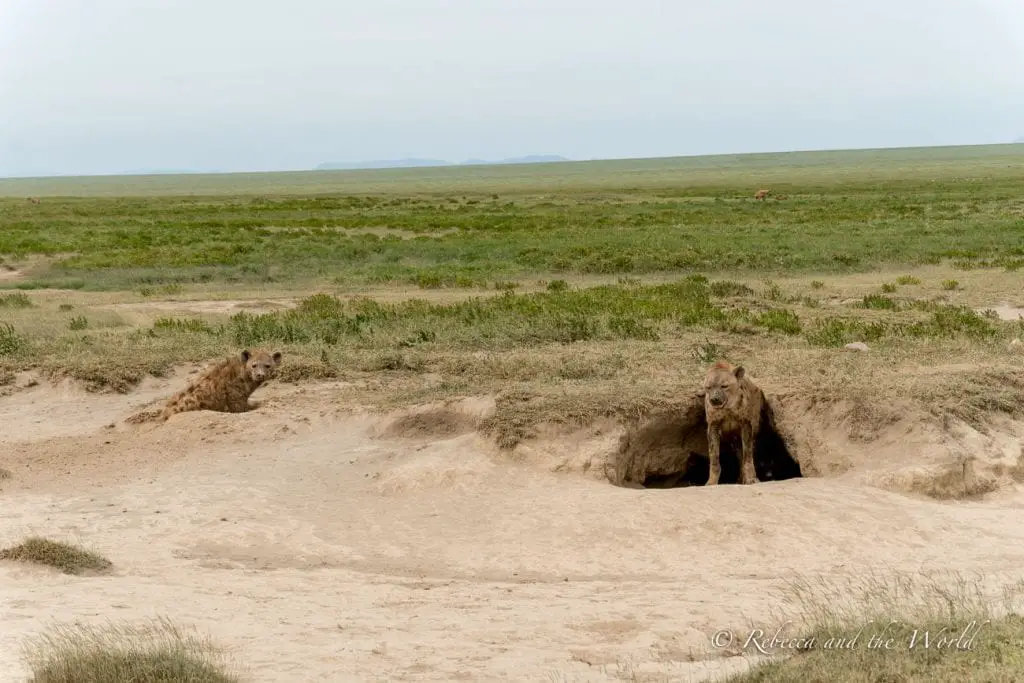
[{"x": 449, "y": 164}]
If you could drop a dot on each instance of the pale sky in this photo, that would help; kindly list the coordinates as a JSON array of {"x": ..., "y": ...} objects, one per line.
[{"x": 107, "y": 86}]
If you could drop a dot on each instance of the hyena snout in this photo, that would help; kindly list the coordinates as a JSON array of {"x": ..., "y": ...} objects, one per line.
[
  {"x": 259, "y": 373},
  {"x": 717, "y": 398}
]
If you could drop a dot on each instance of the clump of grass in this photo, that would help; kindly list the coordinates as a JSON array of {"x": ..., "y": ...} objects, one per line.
[
  {"x": 158, "y": 652},
  {"x": 950, "y": 285},
  {"x": 907, "y": 280},
  {"x": 772, "y": 291},
  {"x": 194, "y": 325},
  {"x": 65, "y": 307},
  {"x": 705, "y": 353},
  {"x": 888, "y": 287},
  {"x": 79, "y": 322},
  {"x": 953, "y": 321},
  {"x": 10, "y": 341},
  {"x": 817, "y": 284},
  {"x": 834, "y": 332},
  {"x": 913, "y": 629},
  {"x": 878, "y": 301},
  {"x": 68, "y": 558},
  {"x": 558, "y": 286},
  {"x": 15, "y": 300},
  {"x": 729, "y": 288},
  {"x": 780, "y": 320}
]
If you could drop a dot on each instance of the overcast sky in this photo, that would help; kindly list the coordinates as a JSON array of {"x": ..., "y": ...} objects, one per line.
[{"x": 106, "y": 86}]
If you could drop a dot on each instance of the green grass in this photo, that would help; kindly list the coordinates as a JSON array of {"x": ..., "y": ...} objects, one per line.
[
  {"x": 445, "y": 228},
  {"x": 15, "y": 300},
  {"x": 160, "y": 652},
  {"x": 68, "y": 558},
  {"x": 912, "y": 629}
]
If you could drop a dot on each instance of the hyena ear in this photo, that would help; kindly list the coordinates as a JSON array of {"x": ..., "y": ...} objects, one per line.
[
  {"x": 739, "y": 372},
  {"x": 245, "y": 355},
  {"x": 277, "y": 357}
]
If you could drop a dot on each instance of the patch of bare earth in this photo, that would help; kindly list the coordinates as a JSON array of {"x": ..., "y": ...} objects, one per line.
[{"x": 349, "y": 545}]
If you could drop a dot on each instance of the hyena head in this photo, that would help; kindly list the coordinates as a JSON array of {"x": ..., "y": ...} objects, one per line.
[
  {"x": 261, "y": 365},
  {"x": 722, "y": 385}
]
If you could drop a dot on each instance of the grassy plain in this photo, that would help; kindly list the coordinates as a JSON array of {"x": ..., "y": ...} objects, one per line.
[
  {"x": 588, "y": 275},
  {"x": 569, "y": 290}
]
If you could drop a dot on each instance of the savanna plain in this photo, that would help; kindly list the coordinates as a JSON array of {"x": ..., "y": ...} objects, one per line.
[{"x": 483, "y": 455}]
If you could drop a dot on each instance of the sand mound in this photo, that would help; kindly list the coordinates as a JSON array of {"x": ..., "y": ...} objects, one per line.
[
  {"x": 899, "y": 448},
  {"x": 670, "y": 449},
  {"x": 438, "y": 420},
  {"x": 319, "y": 521}
]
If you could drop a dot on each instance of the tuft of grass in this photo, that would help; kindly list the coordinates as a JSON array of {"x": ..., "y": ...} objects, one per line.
[
  {"x": 65, "y": 307},
  {"x": 780, "y": 320},
  {"x": 79, "y": 322},
  {"x": 908, "y": 628},
  {"x": 68, "y": 558},
  {"x": 950, "y": 285},
  {"x": 10, "y": 341},
  {"x": 193, "y": 325},
  {"x": 706, "y": 353},
  {"x": 835, "y": 332},
  {"x": 156, "y": 652},
  {"x": 772, "y": 291},
  {"x": 907, "y": 280},
  {"x": 729, "y": 288},
  {"x": 817, "y": 284},
  {"x": 888, "y": 287},
  {"x": 15, "y": 300},
  {"x": 878, "y": 301},
  {"x": 558, "y": 286}
]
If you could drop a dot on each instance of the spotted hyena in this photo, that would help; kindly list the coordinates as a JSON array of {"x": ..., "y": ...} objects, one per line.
[
  {"x": 225, "y": 387},
  {"x": 732, "y": 404}
]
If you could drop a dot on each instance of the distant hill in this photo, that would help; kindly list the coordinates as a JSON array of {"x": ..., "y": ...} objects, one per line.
[{"x": 420, "y": 163}]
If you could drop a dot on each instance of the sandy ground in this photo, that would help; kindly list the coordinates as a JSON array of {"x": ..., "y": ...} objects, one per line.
[{"x": 317, "y": 545}]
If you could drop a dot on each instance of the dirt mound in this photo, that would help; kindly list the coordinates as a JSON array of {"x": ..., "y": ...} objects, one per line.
[
  {"x": 902, "y": 447},
  {"x": 670, "y": 449},
  {"x": 438, "y": 421}
]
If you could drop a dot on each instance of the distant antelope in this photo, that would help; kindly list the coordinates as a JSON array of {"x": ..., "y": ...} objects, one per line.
[
  {"x": 33, "y": 200},
  {"x": 761, "y": 194}
]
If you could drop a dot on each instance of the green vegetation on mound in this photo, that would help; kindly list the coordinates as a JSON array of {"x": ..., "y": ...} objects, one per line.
[
  {"x": 956, "y": 651},
  {"x": 911, "y": 629},
  {"x": 63, "y": 556},
  {"x": 325, "y": 335}
]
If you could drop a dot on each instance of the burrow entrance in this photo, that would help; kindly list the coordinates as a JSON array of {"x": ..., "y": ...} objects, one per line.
[{"x": 670, "y": 449}]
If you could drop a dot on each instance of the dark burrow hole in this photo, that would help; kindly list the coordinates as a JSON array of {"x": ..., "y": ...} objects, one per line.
[{"x": 671, "y": 451}]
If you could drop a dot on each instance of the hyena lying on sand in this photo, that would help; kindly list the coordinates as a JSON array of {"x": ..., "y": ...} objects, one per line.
[{"x": 225, "y": 387}]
